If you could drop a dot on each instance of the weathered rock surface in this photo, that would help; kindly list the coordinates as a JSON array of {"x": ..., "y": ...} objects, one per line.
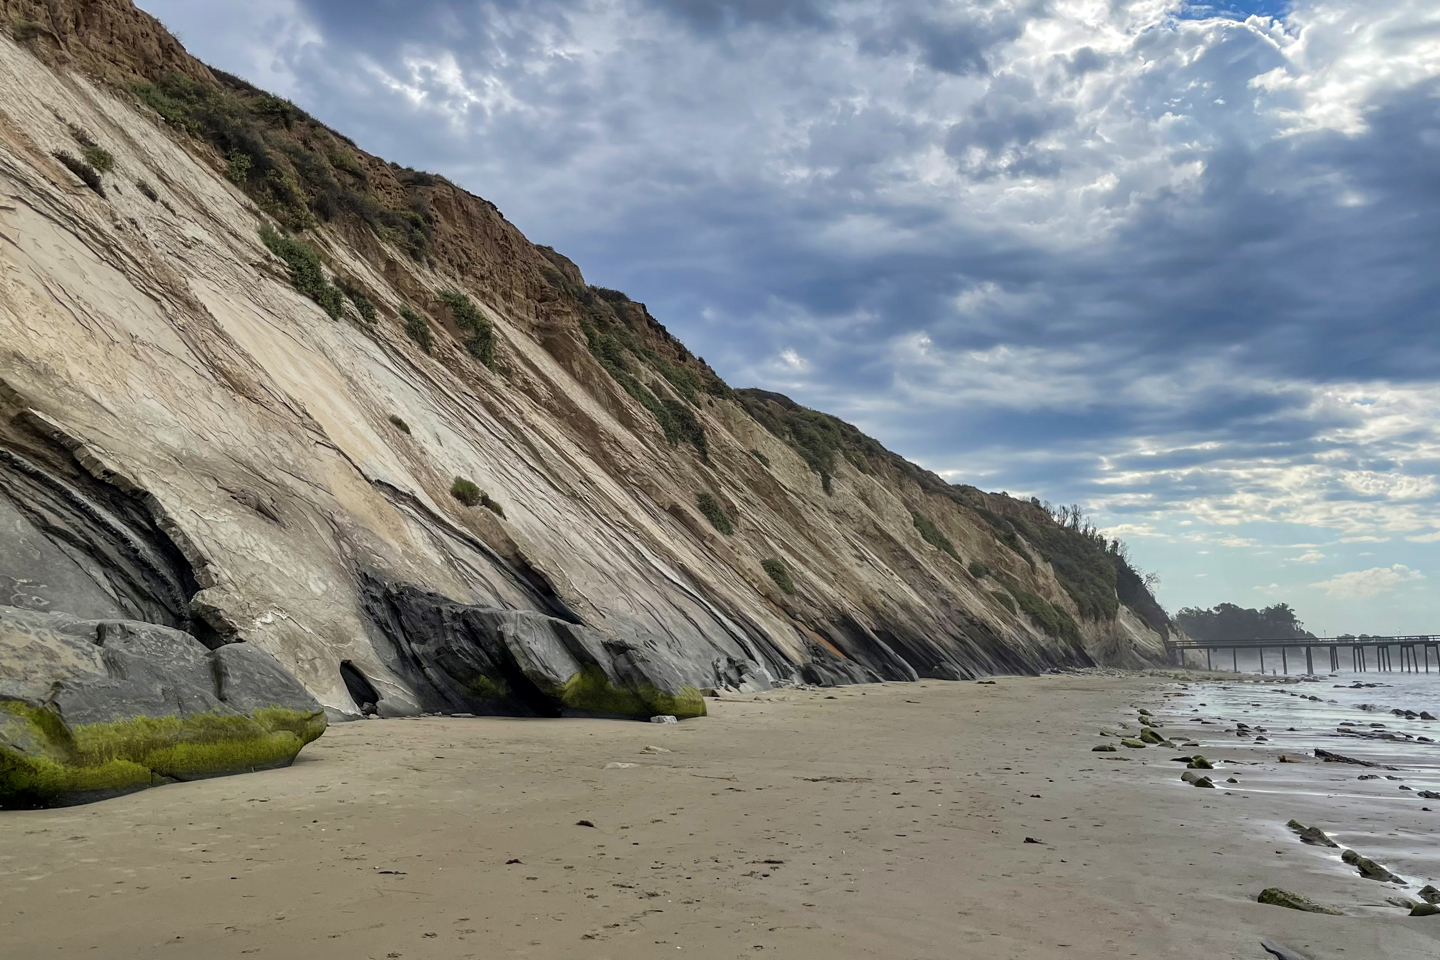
[
  {"x": 1311, "y": 835},
  {"x": 1368, "y": 868},
  {"x": 1277, "y": 897},
  {"x": 96, "y": 708},
  {"x": 186, "y": 439},
  {"x": 487, "y": 660}
]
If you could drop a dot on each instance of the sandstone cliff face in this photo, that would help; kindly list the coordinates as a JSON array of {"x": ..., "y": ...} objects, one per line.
[{"x": 186, "y": 439}]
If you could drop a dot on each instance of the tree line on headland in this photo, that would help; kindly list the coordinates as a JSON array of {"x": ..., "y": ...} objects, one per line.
[{"x": 1226, "y": 621}]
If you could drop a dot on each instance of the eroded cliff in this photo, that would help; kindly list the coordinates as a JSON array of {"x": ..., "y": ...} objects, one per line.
[{"x": 250, "y": 373}]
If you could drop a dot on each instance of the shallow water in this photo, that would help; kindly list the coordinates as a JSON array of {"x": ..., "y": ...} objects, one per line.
[{"x": 1374, "y": 810}]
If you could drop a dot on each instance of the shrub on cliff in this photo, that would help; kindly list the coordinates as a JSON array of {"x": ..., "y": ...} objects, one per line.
[
  {"x": 83, "y": 170},
  {"x": 465, "y": 491},
  {"x": 479, "y": 332},
  {"x": 776, "y": 569},
  {"x": 355, "y": 293},
  {"x": 978, "y": 570},
  {"x": 1055, "y": 622},
  {"x": 416, "y": 328},
  {"x": 26, "y": 29},
  {"x": 307, "y": 275},
  {"x": 713, "y": 512},
  {"x": 491, "y": 505},
  {"x": 931, "y": 534}
]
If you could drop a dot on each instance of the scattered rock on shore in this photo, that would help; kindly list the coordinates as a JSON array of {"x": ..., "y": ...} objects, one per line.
[
  {"x": 1277, "y": 897},
  {"x": 1198, "y": 762},
  {"x": 1103, "y": 748},
  {"x": 1133, "y": 744},
  {"x": 1369, "y": 869},
  {"x": 1150, "y": 736},
  {"x": 1311, "y": 835},
  {"x": 1429, "y": 893},
  {"x": 1197, "y": 779},
  {"x": 1425, "y": 910}
]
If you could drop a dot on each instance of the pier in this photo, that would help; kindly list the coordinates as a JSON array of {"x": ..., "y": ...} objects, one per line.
[{"x": 1414, "y": 653}]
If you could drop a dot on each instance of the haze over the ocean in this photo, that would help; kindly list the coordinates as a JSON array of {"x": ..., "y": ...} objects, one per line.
[{"x": 1178, "y": 263}]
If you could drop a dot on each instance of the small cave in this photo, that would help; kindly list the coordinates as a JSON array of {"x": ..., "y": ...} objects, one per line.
[{"x": 362, "y": 691}]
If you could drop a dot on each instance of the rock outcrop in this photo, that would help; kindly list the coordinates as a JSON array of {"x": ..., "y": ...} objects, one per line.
[
  {"x": 258, "y": 385},
  {"x": 91, "y": 709}
]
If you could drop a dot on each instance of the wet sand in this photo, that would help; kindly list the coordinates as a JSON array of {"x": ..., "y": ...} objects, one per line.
[{"x": 889, "y": 821}]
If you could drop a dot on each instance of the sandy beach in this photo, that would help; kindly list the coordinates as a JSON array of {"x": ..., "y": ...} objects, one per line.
[{"x": 875, "y": 821}]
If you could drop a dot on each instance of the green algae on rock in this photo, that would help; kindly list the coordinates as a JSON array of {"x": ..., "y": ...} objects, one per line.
[
  {"x": 1277, "y": 897},
  {"x": 591, "y": 691},
  {"x": 91, "y": 709}
]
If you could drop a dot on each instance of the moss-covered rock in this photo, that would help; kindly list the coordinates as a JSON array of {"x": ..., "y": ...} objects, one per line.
[
  {"x": 1198, "y": 762},
  {"x": 1150, "y": 736},
  {"x": 1103, "y": 748},
  {"x": 1276, "y": 897},
  {"x": 1133, "y": 744},
  {"x": 96, "y": 709},
  {"x": 591, "y": 691}
]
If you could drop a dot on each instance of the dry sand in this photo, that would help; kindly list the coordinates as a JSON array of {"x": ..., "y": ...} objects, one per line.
[{"x": 880, "y": 821}]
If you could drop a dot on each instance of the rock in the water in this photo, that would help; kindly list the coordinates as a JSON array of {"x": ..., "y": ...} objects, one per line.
[
  {"x": 91, "y": 709},
  {"x": 1425, "y": 910},
  {"x": 1200, "y": 763},
  {"x": 1427, "y": 795},
  {"x": 1196, "y": 779},
  {"x": 1103, "y": 748},
  {"x": 1368, "y": 868},
  {"x": 1429, "y": 893},
  {"x": 1311, "y": 835},
  {"x": 1277, "y": 897},
  {"x": 1329, "y": 757}
]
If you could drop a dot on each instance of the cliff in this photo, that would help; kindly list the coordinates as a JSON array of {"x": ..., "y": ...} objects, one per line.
[{"x": 258, "y": 385}]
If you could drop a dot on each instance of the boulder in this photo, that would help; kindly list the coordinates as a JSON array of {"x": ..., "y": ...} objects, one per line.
[
  {"x": 1429, "y": 893},
  {"x": 1198, "y": 762},
  {"x": 1425, "y": 910},
  {"x": 1133, "y": 744},
  {"x": 91, "y": 709},
  {"x": 1277, "y": 897},
  {"x": 1150, "y": 736},
  {"x": 1368, "y": 868},
  {"x": 1311, "y": 835},
  {"x": 1103, "y": 748}
]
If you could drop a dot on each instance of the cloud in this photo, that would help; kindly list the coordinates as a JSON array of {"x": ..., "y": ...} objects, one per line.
[
  {"x": 1171, "y": 260},
  {"x": 1310, "y": 556},
  {"x": 1360, "y": 584}
]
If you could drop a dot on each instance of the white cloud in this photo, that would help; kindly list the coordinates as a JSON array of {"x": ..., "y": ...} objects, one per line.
[
  {"x": 1362, "y": 584},
  {"x": 1312, "y": 556}
]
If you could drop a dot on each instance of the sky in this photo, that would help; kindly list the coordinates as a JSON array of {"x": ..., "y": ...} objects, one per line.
[{"x": 1177, "y": 263}]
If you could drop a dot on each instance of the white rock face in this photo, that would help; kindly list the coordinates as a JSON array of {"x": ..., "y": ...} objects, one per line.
[{"x": 158, "y": 350}]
